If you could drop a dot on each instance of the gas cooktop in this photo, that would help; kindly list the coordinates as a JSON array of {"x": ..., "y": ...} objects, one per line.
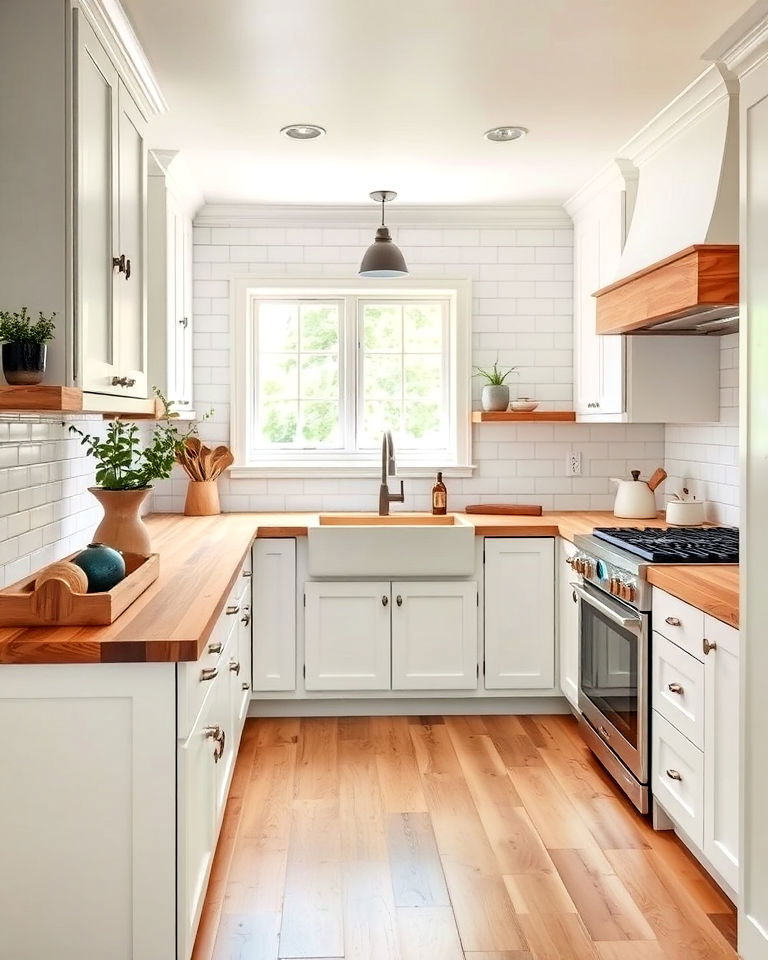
[{"x": 676, "y": 545}]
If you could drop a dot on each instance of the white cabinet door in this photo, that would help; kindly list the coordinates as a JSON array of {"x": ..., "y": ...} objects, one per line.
[
  {"x": 240, "y": 664},
  {"x": 567, "y": 623},
  {"x": 434, "y": 635},
  {"x": 347, "y": 636},
  {"x": 130, "y": 284},
  {"x": 519, "y": 613},
  {"x": 721, "y": 750},
  {"x": 96, "y": 224},
  {"x": 274, "y": 615}
]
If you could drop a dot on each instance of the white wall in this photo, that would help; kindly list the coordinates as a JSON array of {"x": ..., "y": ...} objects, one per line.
[
  {"x": 707, "y": 455},
  {"x": 46, "y": 511},
  {"x": 522, "y": 313}
]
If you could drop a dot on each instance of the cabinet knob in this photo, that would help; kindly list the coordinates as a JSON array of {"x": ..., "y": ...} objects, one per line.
[
  {"x": 233, "y": 609},
  {"x": 673, "y": 621},
  {"x": 122, "y": 264},
  {"x": 209, "y": 673},
  {"x": 234, "y": 666},
  {"x": 674, "y": 774},
  {"x": 384, "y": 600},
  {"x": 123, "y": 381},
  {"x": 215, "y": 647},
  {"x": 675, "y": 688},
  {"x": 708, "y": 646},
  {"x": 245, "y": 685},
  {"x": 246, "y": 573},
  {"x": 399, "y": 600},
  {"x": 216, "y": 733},
  {"x": 246, "y": 619}
]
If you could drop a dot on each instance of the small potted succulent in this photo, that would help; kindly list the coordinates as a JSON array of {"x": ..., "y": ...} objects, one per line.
[
  {"x": 24, "y": 345},
  {"x": 495, "y": 395},
  {"x": 125, "y": 472}
]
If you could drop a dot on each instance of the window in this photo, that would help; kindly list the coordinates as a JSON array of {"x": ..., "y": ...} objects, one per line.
[{"x": 321, "y": 371}]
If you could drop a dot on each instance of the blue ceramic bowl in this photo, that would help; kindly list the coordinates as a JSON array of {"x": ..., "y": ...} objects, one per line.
[{"x": 103, "y": 566}]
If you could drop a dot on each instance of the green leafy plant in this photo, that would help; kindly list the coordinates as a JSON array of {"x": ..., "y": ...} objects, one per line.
[
  {"x": 494, "y": 376},
  {"x": 19, "y": 327},
  {"x": 121, "y": 461}
]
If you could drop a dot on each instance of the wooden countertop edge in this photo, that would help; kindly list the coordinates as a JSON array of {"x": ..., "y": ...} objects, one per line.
[{"x": 693, "y": 584}]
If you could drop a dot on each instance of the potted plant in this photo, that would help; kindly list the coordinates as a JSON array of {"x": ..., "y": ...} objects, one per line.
[
  {"x": 495, "y": 395},
  {"x": 24, "y": 345},
  {"x": 125, "y": 471}
]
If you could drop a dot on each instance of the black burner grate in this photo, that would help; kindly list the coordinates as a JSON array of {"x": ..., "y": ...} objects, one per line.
[{"x": 676, "y": 545}]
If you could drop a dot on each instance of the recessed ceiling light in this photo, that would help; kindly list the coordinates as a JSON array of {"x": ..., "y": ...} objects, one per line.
[
  {"x": 303, "y": 131},
  {"x": 503, "y": 134}
]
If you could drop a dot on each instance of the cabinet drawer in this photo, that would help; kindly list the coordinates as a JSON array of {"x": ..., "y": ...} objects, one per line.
[
  {"x": 194, "y": 679},
  {"x": 679, "y": 622},
  {"x": 678, "y": 777},
  {"x": 678, "y": 688}
]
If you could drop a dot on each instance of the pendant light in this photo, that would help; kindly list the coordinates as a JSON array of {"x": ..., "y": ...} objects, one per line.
[{"x": 383, "y": 258}]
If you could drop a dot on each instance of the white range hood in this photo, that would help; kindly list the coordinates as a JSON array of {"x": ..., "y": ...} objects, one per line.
[{"x": 685, "y": 223}]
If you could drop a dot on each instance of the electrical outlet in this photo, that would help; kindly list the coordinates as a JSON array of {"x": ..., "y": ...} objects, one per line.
[{"x": 573, "y": 464}]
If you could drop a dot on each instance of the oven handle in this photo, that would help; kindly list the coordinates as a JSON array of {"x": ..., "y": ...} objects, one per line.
[{"x": 629, "y": 623}]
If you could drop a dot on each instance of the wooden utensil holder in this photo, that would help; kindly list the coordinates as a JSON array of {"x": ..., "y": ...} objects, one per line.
[
  {"x": 202, "y": 499},
  {"x": 53, "y": 604}
]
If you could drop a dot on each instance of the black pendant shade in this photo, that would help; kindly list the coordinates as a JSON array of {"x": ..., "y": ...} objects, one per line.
[{"x": 383, "y": 258}]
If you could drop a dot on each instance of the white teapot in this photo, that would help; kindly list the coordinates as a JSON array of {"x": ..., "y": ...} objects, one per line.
[{"x": 635, "y": 498}]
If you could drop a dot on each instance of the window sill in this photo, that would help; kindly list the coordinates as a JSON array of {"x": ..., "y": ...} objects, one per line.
[{"x": 343, "y": 471}]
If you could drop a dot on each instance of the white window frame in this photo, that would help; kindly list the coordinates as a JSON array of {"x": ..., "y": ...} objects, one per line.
[{"x": 332, "y": 463}]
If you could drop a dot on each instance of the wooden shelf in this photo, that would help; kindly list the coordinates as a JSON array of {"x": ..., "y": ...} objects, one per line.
[
  {"x": 50, "y": 398},
  {"x": 514, "y": 416}
]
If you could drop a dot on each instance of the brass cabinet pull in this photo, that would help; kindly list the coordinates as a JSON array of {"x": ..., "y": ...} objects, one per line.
[
  {"x": 674, "y": 775},
  {"x": 399, "y": 600},
  {"x": 215, "y": 647},
  {"x": 208, "y": 673},
  {"x": 673, "y": 621},
  {"x": 675, "y": 688},
  {"x": 215, "y": 732},
  {"x": 233, "y": 609},
  {"x": 384, "y": 600},
  {"x": 708, "y": 646},
  {"x": 234, "y": 666}
]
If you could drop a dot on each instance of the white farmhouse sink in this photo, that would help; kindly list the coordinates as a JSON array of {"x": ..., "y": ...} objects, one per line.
[{"x": 397, "y": 546}]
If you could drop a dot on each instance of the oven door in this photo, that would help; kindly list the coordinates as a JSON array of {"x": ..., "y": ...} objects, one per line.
[{"x": 613, "y": 684}]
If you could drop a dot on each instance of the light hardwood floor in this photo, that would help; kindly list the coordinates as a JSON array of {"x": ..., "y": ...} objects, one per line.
[{"x": 431, "y": 838}]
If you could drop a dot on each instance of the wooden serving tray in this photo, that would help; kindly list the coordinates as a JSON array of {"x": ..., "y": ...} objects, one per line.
[{"x": 54, "y": 604}]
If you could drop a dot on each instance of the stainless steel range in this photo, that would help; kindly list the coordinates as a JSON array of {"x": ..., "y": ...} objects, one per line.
[{"x": 614, "y": 599}]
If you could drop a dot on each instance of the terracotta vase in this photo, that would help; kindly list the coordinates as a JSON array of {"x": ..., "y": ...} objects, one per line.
[
  {"x": 122, "y": 526},
  {"x": 202, "y": 499}
]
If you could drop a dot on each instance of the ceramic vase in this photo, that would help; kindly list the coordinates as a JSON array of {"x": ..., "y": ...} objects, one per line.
[
  {"x": 495, "y": 397},
  {"x": 122, "y": 526},
  {"x": 24, "y": 363},
  {"x": 202, "y": 499},
  {"x": 103, "y": 566}
]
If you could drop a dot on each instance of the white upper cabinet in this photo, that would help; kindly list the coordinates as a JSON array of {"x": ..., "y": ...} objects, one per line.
[
  {"x": 110, "y": 225},
  {"x": 635, "y": 379},
  {"x": 519, "y": 613},
  {"x": 171, "y": 206}
]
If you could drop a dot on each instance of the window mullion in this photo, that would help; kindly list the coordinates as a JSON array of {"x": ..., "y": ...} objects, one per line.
[{"x": 349, "y": 398}]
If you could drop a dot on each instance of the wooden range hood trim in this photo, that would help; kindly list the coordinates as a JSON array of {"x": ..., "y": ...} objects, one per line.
[{"x": 698, "y": 278}]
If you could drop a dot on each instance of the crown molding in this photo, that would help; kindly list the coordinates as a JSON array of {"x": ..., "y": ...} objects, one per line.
[
  {"x": 172, "y": 166},
  {"x": 619, "y": 174},
  {"x": 118, "y": 37},
  {"x": 711, "y": 88},
  {"x": 364, "y": 215},
  {"x": 744, "y": 46}
]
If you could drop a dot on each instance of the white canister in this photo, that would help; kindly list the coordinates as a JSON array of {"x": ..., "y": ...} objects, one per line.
[{"x": 685, "y": 513}]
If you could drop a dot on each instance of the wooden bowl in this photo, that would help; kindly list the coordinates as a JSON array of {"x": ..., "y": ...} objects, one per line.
[{"x": 70, "y": 573}]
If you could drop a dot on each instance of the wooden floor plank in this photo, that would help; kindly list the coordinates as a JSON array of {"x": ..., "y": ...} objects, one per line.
[
  {"x": 414, "y": 862},
  {"x": 428, "y": 932},
  {"x": 602, "y": 901},
  {"x": 392, "y": 838}
]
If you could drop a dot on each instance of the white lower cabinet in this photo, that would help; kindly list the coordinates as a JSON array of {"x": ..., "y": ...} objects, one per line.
[
  {"x": 434, "y": 635},
  {"x": 695, "y": 723},
  {"x": 274, "y": 614},
  {"x": 567, "y": 623},
  {"x": 240, "y": 662},
  {"x": 347, "y": 635},
  {"x": 519, "y": 613}
]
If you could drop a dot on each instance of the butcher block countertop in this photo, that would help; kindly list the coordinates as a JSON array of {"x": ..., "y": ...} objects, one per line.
[
  {"x": 199, "y": 561},
  {"x": 713, "y": 588}
]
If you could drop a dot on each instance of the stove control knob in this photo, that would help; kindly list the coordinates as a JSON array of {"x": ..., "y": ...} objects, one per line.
[
  {"x": 601, "y": 570},
  {"x": 613, "y": 585},
  {"x": 589, "y": 568},
  {"x": 631, "y": 592},
  {"x": 579, "y": 565}
]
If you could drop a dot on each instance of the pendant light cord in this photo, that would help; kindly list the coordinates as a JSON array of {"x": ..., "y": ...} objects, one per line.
[{"x": 383, "y": 201}]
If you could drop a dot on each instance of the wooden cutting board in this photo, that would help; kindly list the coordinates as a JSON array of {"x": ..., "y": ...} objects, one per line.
[{"x": 505, "y": 509}]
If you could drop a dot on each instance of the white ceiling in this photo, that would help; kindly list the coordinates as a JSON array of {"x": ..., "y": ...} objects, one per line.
[{"x": 407, "y": 87}]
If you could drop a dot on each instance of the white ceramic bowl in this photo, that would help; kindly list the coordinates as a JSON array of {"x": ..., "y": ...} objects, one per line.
[
  {"x": 685, "y": 513},
  {"x": 523, "y": 405}
]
